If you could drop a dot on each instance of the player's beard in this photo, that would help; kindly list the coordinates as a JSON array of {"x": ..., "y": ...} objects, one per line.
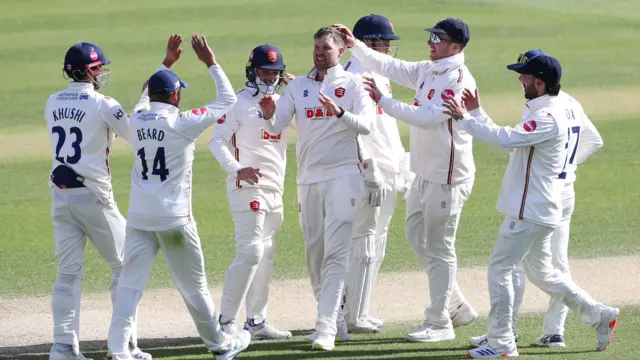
[{"x": 530, "y": 91}]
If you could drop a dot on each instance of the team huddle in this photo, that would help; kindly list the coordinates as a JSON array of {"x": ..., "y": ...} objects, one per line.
[{"x": 351, "y": 169}]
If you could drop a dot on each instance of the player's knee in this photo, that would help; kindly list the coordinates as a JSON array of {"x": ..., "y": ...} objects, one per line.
[
  {"x": 269, "y": 249},
  {"x": 73, "y": 268},
  {"x": 252, "y": 254}
]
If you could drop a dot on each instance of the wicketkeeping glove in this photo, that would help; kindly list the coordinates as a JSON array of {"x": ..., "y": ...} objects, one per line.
[
  {"x": 374, "y": 188},
  {"x": 406, "y": 177}
]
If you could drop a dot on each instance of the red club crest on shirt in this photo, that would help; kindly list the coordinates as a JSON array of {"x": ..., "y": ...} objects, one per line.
[
  {"x": 93, "y": 55},
  {"x": 199, "y": 111},
  {"x": 272, "y": 55},
  {"x": 222, "y": 119},
  {"x": 530, "y": 126},
  {"x": 431, "y": 93},
  {"x": 254, "y": 205},
  {"x": 339, "y": 92},
  {"x": 447, "y": 93}
]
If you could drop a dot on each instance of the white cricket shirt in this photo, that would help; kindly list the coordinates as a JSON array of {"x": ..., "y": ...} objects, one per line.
[
  {"x": 163, "y": 140},
  {"x": 441, "y": 150},
  {"x": 383, "y": 143},
  {"x": 82, "y": 124},
  {"x": 327, "y": 147},
  {"x": 532, "y": 184},
  {"x": 241, "y": 138},
  {"x": 584, "y": 138}
]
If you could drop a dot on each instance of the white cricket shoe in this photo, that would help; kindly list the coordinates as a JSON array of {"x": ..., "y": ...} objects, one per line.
[
  {"x": 431, "y": 333},
  {"x": 135, "y": 352},
  {"x": 606, "y": 330},
  {"x": 375, "y": 322},
  {"x": 362, "y": 327},
  {"x": 65, "y": 352},
  {"x": 550, "y": 341},
  {"x": 463, "y": 315},
  {"x": 342, "y": 333},
  {"x": 265, "y": 331},
  {"x": 483, "y": 340},
  {"x": 324, "y": 342},
  {"x": 487, "y": 352},
  {"x": 234, "y": 345}
]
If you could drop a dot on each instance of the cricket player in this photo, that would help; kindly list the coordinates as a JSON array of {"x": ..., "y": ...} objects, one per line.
[
  {"x": 160, "y": 214},
  {"x": 441, "y": 158},
  {"x": 531, "y": 199},
  {"x": 255, "y": 160},
  {"x": 82, "y": 125},
  {"x": 584, "y": 141},
  {"x": 372, "y": 223},
  {"x": 331, "y": 109}
]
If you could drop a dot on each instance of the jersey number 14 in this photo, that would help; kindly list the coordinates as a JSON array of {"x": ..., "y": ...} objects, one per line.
[{"x": 159, "y": 167}]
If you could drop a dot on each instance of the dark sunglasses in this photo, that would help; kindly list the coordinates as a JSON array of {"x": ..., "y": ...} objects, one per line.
[{"x": 436, "y": 39}]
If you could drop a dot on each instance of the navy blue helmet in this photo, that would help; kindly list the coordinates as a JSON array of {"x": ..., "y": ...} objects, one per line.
[
  {"x": 267, "y": 57},
  {"x": 374, "y": 27},
  {"x": 83, "y": 58}
]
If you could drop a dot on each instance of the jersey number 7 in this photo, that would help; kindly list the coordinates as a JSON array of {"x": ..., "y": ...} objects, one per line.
[
  {"x": 574, "y": 130},
  {"x": 159, "y": 167}
]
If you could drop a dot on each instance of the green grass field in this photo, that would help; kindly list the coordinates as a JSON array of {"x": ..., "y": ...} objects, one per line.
[{"x": 594, "y": 40}]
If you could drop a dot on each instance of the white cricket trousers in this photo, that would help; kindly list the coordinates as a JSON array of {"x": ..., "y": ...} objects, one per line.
[
  {"x": 522, "y": 241},
  {"x": 78, "y": 214},
  {"x": 257, "y": 217},
  {"x": 183, "y": 254},
  {"x": 368, "y": 246},
  {"x": 433, "y": 212},
  {"x": 327, "y": 210},
  {"x": 557, "y": 312}
]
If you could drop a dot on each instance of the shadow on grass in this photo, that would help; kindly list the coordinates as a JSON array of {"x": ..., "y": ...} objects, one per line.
[{"x": 295, "y": 348}]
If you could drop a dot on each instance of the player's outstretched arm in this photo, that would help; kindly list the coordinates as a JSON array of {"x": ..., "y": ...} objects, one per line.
[
  {"x": 195, "y": 122},
  {"x": 422, "y": 116},
  {"x": 173, "y": 53},
  {"x": 115, "y": 117},
  {"x": 530, "y": 131},
  {"x": 403, "y": 72}
]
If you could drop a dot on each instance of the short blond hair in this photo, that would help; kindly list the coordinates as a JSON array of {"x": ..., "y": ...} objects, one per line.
[{"x": 337, "y": 36}]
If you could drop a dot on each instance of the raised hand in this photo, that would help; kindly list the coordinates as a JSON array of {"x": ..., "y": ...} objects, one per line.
[
  {"x": 372, "y": 88},
  {"x": 249, "y": 175},
  {"x": 350, "y": 40},
  {"x": 202, "y": 49},
  {"x": 454, "y": 109},
  {"x": 470, "y": 101},
  {"x": 173, "y": 50},
  {"x": 268, "y": 107},
  {"x": 329, "y": 105}
]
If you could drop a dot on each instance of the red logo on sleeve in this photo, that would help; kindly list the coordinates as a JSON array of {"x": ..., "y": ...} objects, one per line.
[
  {"x": 200, "y": 111},
  {"x": 222, "y": 119},
  {"x": 416, "y": 102},
  {"x": 446, "y": 93},
  {"x": 254, "y": 205},
  {"x": 530, "y": 126},
  {"x": 340, "y": 92},
  {"x": 431, "y": 93}
]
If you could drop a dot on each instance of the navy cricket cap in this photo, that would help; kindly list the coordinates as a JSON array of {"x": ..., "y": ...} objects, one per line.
[
  {"x": 165, "y": 81},
  {"x": 374, "y": 27},
  {"x": 544, "y": 67},
  {"x": 266, "y": 57},
  {"x": 456, "y": 29},
  {"x": 82, "y": 54}
]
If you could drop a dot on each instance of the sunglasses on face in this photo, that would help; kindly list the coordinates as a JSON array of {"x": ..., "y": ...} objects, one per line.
[{"x": 436, "y": 39}]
